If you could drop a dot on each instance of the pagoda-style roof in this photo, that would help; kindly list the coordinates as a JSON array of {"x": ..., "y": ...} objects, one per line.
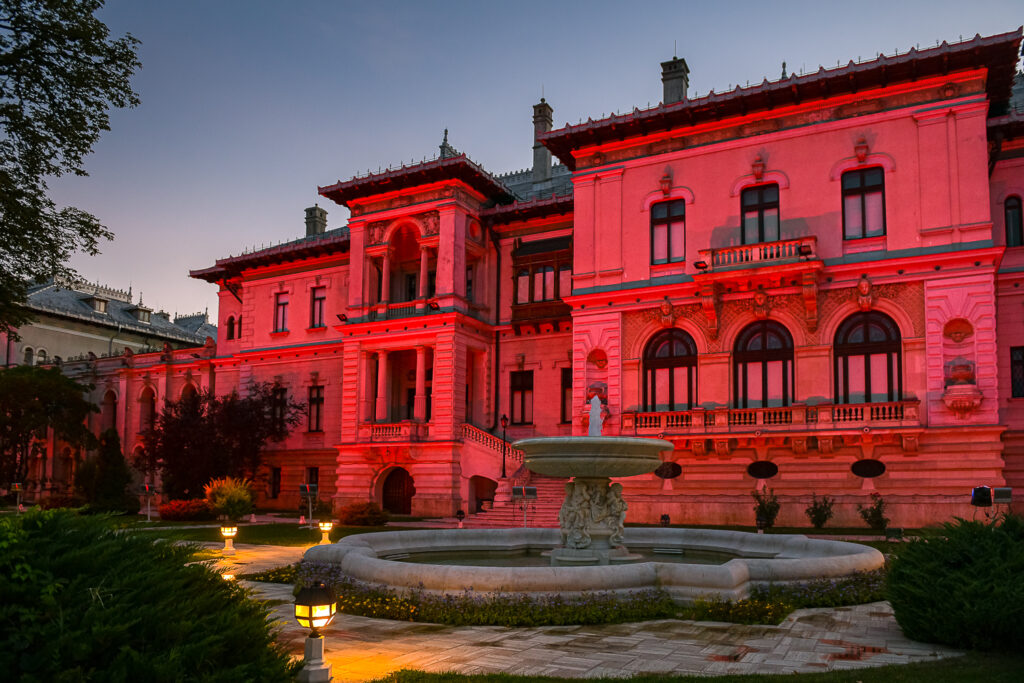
[
  {"x": 534, "y": 208},
  {"x": 998, "y": 53},
  {"x": 458, "y": 167},
  {"x": 330, "y": 242}
]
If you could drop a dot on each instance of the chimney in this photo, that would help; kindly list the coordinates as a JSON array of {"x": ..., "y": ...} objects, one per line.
[
  {"x": 316, "y": 221},
  {"x": 675, "y": 76},
  {"x": 541, "y": 154}
]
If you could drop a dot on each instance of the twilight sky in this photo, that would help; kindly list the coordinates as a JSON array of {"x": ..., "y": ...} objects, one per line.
[{"x": 248, "y": 106}]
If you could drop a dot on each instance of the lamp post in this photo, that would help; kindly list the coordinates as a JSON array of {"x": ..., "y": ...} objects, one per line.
[
  {"x": 504, "y": 443},
  {"x": 460, "y": 515},
  {"x": 325, "y": 529},
  {"x": 16, "y": 487},
  {"x": 229, "y": 533},
  {"x": 665, "y": 520},
  {"x": 314, "y": 609}
]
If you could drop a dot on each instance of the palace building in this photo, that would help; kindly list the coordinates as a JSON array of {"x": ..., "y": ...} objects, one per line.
[{"x": 812, "y": 285}]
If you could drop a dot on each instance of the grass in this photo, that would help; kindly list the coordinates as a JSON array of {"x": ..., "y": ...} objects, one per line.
[
  {"x": 261, "y": 534},
  {"x": 972, "y": 668}
]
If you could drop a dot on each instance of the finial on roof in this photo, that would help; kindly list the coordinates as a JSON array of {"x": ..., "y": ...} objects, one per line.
[
  {"x": 447, "y": 151},
  {"x": 783, "y": 69}
]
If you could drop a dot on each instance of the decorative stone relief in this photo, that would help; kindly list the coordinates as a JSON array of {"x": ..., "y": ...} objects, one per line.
[
  {"x": 431, "y": 222},
  {"x": 761, "y": 305},
  {"x": 709, "y": 304},
  {"x": 864, "y": 298},
  {"x": 375, "y": 231},
  {"x": 809, "y": 292},
  {"x": 591, "y": 504}
]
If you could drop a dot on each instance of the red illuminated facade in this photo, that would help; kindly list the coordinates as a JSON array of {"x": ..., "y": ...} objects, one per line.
[{"x": 812, "y": 284}]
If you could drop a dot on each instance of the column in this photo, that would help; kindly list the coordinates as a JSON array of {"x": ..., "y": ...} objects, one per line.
[
  {"x": 382, "y": 386},
  {"x": 419, "y": 408},
  {"x": 385, "y": 280},
  {"x": 424, "y": 273},
  {"x": 365, "y": 400}
]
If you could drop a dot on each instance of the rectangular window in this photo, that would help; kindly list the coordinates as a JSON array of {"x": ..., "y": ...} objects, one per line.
[
  {"x": 469, "y": 284},
  {"x": 523, "y": 287},
  {"x": 668, "y": 232},
  {"x": 410, "y": 287},
  {"x": 315, "y": 409},
  {"x": 275, "y": 482},
  {"x": 566, "y": 395},
  {"x": 281, "y": 312},
  {"x": 1017, "y": 371},
  {"x": 521, "y": 385},
  {"x": 564, "y": 281},
  {"x": 863, "y": 203},
  {"x": 760, "y": 208},
  {"x": 278, "y": 405},
  {"x": 317, "y": 297},
  {"x": 313, "y": 476}
]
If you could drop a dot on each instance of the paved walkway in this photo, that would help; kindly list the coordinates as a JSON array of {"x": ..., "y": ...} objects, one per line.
[{"x": 361, "y": 649}]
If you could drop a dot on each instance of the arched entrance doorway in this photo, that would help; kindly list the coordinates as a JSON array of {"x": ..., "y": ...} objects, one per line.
[{"x": 397, "y": 492}]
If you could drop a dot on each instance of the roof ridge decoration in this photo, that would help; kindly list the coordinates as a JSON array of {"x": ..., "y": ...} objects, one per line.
[{"x": 1003, "y": 49}]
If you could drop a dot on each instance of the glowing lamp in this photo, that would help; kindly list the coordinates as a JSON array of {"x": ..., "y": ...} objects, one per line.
[
  {"x": 314, "y": 608},
  {"x": 228, "y": 577},
  {"x": 229, "y": 533},
  {"x": 325, "y": 530}
]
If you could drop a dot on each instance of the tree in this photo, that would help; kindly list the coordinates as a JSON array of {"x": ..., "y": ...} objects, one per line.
[
  {"x": 32, "y": 400},
  {"x": 104, "y": 480},
  {"x": 204, "y": 437},
  {"x": 60, "y": 73}
]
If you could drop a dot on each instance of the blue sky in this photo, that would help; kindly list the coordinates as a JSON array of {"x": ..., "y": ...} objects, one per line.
[{"x": 248, "y": 106}]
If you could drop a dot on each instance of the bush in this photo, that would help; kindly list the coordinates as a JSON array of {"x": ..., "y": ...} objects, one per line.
[
  {"x": 961, "y": 586},
  {"x": 58, "y": 502},
  {"x": 874, "y": 514},
  {"x": 819, "y": 511},
  {"x": 229, "y": 497},
  {"x": 362, "y": 514},
  {"x": 197, "y": 510},
  {"x": 320, "y": 507},
  {"x": 767, "y": 506},
  {"x": 856, "y": 589},
  {"x": 753, "y": 610},
  {"x": 286, "y": 574},
  {"x": 84, "y": 602}
]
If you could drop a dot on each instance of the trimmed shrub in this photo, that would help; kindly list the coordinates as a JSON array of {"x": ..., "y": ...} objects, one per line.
[
  {"x": 229, "y": 497},
  {"x": 196, "y": 510},
  {"x": 874, "y": 514},
  {"x": 961, "y": 586},
  {"x": 856, "y": 589},
  {"x": 83, "y": 601},
  {"x": 362, "y": 514},
  {"x": 819, "y": 511},
  {"x": 766, "y": 506}
]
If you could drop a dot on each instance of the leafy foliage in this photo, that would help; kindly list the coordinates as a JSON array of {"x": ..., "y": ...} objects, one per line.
[
  {"x": 229, "y": 497},
  {"x": 195, "y": 510},
  {"x": 103, "y": 481},
  {"x": 874, "y": 514},
  {"x": 362, "y": 514},
  {"x": 286, "y": 574},
  {"x": 204, "y": 436},
  {"x": 83, "y": 602},
  {"x": 962, "y": 585},
  {"x": 60, "y": 73},
  {"x": 32, "y": 400},
  {"x": 819, "y": 511},
  {"x": 753, "y": 610},
  {"x": 766, "y": 506},
  {"x": 856, "y": 589}
]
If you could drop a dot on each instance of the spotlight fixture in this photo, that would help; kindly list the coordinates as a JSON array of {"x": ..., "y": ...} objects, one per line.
[
  {"x": 805, "y": 250},
  {"x": 434, "y": 306},
  {"x": 700, "y": 265},
  {"x": 342, "y": 318}
]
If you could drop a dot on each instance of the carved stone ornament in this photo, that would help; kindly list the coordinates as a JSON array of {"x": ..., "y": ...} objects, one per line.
[
  {"x": 826, "y": 445},
  {"x": 699, "y": 447},
  {"x": 431, "y": 222},
  {"x": 962, "y": 399},
  {"x": 591, "y": 507},
  {"x": 910, "y": 443},
  {"x": 666, "y": 183},
  {"x": 957, "y": 330},
  {"x": 757, "y": 168},
  {"x": 799, "y": 444},
  {"x": 668, "y": 318},
  {"x": 709, "y": 304},
  {"x": 376, "y": 231},
  {"x": 722, "y": 447},
  {"x": 865, "y": 298},
  {"x": 761, "y": 305},
  {"x": 861, "y": 149},
  {"x": 809, "y": 291}
]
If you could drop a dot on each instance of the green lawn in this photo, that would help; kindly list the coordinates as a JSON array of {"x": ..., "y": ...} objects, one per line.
[
  {"x": 974, "y": 667},
  {"x": 260, "y": 534}
]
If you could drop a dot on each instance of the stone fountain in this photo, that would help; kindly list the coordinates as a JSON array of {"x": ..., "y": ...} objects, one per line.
[{"x": 593, "y": 515}]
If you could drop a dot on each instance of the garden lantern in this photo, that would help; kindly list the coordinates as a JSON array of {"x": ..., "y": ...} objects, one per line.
[
  {"x": 665, "y": 520},
  {"x": 460, "y": 515},
  {"x": 761, "y": 521},
  {"x": 325, "y": 529},
  {"x": 314, "y": 609},
  {"x": 229, "y": 533}
]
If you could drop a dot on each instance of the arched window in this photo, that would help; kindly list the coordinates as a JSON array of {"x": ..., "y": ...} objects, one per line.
[
  {"x": 41, "y": 357},
  {"x": 29, "y": 357},
  {"x": 147, "y": 409},
  {"x": 868, "y": 363},
  {"x": 238, "y": 328},
  {"x": 1014, "y": 222},
  {"x": 231, "y": 327},
  {"x": 108, "y": 411},
  {"x": 670, "y": 372},
  {"x": 763, "y": 366}
]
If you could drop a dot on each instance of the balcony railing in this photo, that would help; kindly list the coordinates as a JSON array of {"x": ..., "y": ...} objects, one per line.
[
  {"x": 764, "y": 253},
  {"x": 789, "y": 418},
  {"x": 407, "y": 430},
  {"x": 491, "y": 442}
]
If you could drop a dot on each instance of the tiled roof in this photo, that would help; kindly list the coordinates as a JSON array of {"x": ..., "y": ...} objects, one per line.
[
  {"x": 70, "y": 300},
  {"x": 312, "y": 245},
  {"x": 998, "y": 53}
]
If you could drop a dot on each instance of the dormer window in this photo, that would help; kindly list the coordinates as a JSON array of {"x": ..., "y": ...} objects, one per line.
[
  {"x": 98, "y": 304},
  {"x": 143, "y": 315}
]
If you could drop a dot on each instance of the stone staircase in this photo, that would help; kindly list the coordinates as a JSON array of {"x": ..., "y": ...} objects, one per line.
[{"x": 542, "y": 512}]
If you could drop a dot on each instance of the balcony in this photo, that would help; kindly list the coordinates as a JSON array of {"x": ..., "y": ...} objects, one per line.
[
  {"x": 393, "y": 432},
  {"x": 746, "y": 256},
  {"x": 540, "y": 311},
  {"x": 824, "y": 421}
]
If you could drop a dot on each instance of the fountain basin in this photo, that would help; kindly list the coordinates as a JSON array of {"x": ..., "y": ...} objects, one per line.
[
  {"x": 761, "y": 559},
  {"x": 592, "y": 456}
]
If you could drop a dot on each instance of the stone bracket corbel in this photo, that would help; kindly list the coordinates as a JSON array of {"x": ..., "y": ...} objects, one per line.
[
  {"x": 809, "y": 290},
  {"x": 709, "y": 300}
]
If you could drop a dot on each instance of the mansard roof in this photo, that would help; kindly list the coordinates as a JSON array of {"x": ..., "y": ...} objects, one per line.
[
  {"x": 330, "y": 242},
  {"x": 70, "y": 300},
  {"x": 525, "y": 210},
  {"x": 458, "y": 167},
  {"x": 998, "y": 53}
]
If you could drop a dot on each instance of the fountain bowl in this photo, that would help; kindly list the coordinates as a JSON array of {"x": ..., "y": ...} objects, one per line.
[{"x": 592, "y": 456}]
